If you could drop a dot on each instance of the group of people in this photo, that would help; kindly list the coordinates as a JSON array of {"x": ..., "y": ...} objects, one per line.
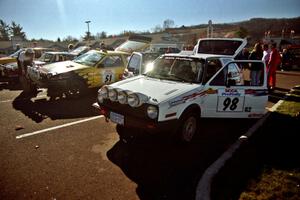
[{"x": 270, "y": 55}]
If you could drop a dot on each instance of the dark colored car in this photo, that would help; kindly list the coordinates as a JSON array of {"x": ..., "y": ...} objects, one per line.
[{"x": 291, "y": 59}]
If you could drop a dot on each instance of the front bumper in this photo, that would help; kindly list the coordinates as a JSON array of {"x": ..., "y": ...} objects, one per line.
[{"x": 142, "y": 123}]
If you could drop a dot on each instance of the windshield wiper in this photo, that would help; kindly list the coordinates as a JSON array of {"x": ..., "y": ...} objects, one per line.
[{"x": 180, "y": 78}]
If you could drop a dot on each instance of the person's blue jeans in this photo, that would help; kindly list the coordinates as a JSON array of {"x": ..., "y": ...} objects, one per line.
[{"x": 255, "y": 77}]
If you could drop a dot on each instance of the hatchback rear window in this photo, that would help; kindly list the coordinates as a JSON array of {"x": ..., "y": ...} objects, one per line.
[{"x": 219, "y": 47}]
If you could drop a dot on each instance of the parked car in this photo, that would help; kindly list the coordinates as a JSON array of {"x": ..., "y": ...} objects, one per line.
[
  {"x": 52, "y": 57},
  {"x": 92, "y": 69},
  {"x": 9, "y": 72},
  {"x": 134, "y": 43},
  {"x": 179, "y": 89},
  {"x": 80, "y": 51},
  {"x": 13, "y": 57},
  {"x": 292, "y": 60}
]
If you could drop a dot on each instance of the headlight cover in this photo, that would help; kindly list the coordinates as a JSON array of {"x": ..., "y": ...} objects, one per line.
[
  {"x": 113, "y": 94},
  {"x": 122, "y": 97},
  {"x": 102, "y": 94},
  {"x": 152, "y": 112},
  {"x": 133, "y": 100}
]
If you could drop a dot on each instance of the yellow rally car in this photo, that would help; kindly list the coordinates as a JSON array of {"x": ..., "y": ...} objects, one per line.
[{"x": 90, "y": 70}]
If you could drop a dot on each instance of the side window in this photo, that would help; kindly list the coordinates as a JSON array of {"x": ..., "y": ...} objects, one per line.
[
  {"x": 240, "y": 74},
  {"x": 113, "y": 61},
  {"x": 134, "y": 64},
  {"x": 212, "y": 66}
]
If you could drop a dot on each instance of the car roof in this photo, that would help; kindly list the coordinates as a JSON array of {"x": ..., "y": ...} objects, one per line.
[
  {"x": 111, "y": 52},
  {"x": 58, "y": 52},
  {"x": 199, "y": 56}
]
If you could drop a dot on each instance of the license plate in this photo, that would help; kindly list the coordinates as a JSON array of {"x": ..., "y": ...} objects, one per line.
[{"x": 116, "y": 118}]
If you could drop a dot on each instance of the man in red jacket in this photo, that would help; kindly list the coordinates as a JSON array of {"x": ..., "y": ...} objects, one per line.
[{"x": 272, "y": 65}]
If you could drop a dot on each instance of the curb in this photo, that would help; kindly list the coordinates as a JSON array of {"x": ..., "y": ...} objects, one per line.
[{"x": 203, "y": 190}]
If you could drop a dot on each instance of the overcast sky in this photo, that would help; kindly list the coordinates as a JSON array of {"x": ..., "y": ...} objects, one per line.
[{"x": 51, "y": 19}]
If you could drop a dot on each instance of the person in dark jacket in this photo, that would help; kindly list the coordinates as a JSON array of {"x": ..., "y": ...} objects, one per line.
[{"x": 256, "y": 69}]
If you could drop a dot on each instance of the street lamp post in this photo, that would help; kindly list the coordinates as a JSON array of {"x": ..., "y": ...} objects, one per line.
[{"x": 88, "y": 33}]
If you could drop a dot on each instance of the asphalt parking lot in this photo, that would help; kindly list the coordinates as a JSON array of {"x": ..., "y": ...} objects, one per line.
[{"x": 63, "y": 150}]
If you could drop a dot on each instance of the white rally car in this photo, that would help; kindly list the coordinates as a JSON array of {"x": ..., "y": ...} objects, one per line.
[{"x": 178, "y": 89}]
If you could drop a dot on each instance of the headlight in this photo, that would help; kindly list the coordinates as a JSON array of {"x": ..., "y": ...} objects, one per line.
[
  {"x": 113, "y": 94},
  {"x": 122, "y": 97},
  {"x": 152, "y": 112},
  {"x": 102, "y": 94},
  {"x": 49, "y": 75},
  {"x": 133, "y": 100}
]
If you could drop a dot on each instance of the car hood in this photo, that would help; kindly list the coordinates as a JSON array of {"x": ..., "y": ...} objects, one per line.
[
  {"x": 11, "y": 66},
  {"x": 6, "y": 58},
  {"x": 157, "y": 90},
  {"x": 62, "y": 67},
  {"x": 38, "y": 62}
]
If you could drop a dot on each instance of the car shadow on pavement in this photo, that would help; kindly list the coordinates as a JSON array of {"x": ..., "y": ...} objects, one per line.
[
  {"x": 10, "y": 86},
  {"x": 168, "y": 170},
  {"x": 40, "y": 109}
]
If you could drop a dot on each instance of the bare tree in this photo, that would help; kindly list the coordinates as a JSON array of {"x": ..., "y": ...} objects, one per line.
[
  {"x": 4, "y": 31},
  {"x": 157, "y": 29},
  {"x": 168, "y": 23}
]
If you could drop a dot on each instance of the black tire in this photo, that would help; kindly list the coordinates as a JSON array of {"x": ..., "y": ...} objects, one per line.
[
  {"x": 189, "y": 126},
  {"x": 54, "y": 93}
]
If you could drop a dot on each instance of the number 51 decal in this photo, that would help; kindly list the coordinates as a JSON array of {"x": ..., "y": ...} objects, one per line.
[
  {"x": 108, "y": 76},
  {"x": 230, "y": 104}
]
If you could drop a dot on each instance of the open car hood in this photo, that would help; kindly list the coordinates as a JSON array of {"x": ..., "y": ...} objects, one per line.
[{"x": 221, "y": 46}]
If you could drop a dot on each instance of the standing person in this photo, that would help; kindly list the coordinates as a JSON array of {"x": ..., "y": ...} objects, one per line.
[
  {"x": 256, "y": 70},
  {"x": 266, "y": 54},
  {"x": 286, "y": 58},
  {"x": 102, "y": 46},
  {"x": 273, "y": 64},
  {"x": 24, "y": 60},
  {"x": 70, "y": 47},
  {"x": 244, "y": 55}
]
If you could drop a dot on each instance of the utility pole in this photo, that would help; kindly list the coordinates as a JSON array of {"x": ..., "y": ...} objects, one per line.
[{"x": 88, "y": 33}]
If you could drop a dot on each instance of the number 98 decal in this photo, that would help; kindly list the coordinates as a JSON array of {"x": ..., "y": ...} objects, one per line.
[{"x": 230, "y": 104}]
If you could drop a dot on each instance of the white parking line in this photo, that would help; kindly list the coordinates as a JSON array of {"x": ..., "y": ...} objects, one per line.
[
  {"x": 22, "y": 99},
  {"x": 57, "y": 127},
  {"x": 5, "y": 101}
]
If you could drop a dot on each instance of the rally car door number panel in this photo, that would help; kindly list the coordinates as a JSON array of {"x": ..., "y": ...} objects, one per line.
[
  {"x": 231, "y": 100},
  {"x": 108, "y": 76}
]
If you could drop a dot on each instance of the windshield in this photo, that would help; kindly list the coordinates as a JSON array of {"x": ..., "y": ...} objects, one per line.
[
  {"x": 46, "y": 57},
  {"x": 130, "y": 45},
  {"x": 219, "y": 47},
  {"x": 90, "y": 58},
  {"x": 16, "y": 53},
  {"x": 176, "y": 68}
]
